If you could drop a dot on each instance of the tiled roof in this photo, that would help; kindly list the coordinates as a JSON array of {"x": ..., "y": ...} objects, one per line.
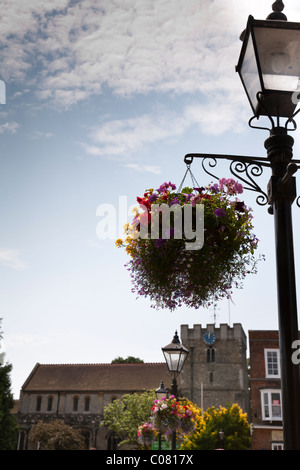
[{"x": 96, "y": 377}]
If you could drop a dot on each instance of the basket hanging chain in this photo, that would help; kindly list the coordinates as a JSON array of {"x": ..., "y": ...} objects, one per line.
[{"x": 194, "y": 181}]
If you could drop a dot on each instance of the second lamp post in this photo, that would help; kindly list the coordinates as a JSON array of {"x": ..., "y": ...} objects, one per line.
[{"x": 175, "y": 355}]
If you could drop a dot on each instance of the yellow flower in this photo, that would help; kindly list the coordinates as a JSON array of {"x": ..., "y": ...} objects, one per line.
[{"x": 119, "y": 242}]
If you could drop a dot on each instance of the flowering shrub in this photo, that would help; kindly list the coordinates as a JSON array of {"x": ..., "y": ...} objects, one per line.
[
  {"x": 163, "y": 269},
  {"x": 146, "y": 434},
  {"x": 233, "y": 422}
]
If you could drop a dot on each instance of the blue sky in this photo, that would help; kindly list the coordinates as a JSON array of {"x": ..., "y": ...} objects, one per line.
[{"x": 103, "y": 100}]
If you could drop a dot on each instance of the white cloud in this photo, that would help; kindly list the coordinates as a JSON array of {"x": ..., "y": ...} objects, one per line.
[
  {"x": 144, "y": 168},
  {"x": 11, "y": 259},
  {"x": 42, "y": 134},
  {"x": 123, "y": 138},
  {"x": 10, "y": 127},
  {"x": 67, "y": 51}
]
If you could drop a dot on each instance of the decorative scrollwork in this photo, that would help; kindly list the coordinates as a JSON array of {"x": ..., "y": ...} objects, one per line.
[
  {"x": 251, "y": 170},
  {"x": 212, "y": 162},
  {"x": 243, "y": 168}
]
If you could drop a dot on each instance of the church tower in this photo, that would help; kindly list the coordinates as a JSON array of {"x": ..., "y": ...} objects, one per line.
[{"x": 215, "y": 372}]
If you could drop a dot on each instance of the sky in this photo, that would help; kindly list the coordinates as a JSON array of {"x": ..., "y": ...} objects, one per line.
[{"x": 103, "y": 99}]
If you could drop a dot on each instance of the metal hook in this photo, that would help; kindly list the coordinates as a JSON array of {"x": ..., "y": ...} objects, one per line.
[{"x": 257, "y": 127}]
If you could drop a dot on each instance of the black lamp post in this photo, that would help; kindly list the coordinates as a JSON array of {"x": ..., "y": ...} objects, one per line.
[
  {"x": 161, "y": 391},
  {"x": 221, "y": 437},
  {"x": 175, "y": 355},
  {"x": 269, "y": 67}
]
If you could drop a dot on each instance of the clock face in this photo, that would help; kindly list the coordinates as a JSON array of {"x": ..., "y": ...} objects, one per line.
[{"x": 209, "y": 337}]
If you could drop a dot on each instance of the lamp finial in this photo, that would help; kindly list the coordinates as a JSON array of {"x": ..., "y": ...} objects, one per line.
[
  {"x": 277, "y": 14},
  {"x": 176, "y": 339}
]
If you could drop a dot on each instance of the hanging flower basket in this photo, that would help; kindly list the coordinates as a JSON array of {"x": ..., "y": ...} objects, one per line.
[
  {"x": 164, "y": 414},
  {"x": 146, "y": 434},
  {"x": 169, "y": 415},
  {"x": 171, "y": 269}
]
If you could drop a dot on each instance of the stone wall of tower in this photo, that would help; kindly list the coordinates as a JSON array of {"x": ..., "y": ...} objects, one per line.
[{"x": 215, "y": 374}]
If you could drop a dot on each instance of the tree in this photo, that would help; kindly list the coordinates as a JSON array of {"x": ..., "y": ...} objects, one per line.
[
  {"x": 124, "y": 416},
  {"x": 8, "y": 424},
  {"x": 128, "y": 360},
  {"x": 231, "y": 420},
  {"x": 56, "y": 435}
]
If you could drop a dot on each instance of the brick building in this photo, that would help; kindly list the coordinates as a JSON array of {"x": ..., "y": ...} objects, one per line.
[{"x": 265, "y": 387}]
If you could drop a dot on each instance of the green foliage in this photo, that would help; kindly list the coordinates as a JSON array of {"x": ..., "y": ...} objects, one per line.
[
  {"x": 56, "y": 435},
  {"x": 124, "y": 416},
  {"x": 231, "y": 420},
  {"x": 8, "y": 424},
  {"x": 128, "y": 360}
]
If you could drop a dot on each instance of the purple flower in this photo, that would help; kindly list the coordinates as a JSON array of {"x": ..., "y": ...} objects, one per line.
[
  {"x": 240, "y": 206},
  {"x": 215, "y": 188},
  {"x": 152, "y": 198},
  {"x": 220, "y": 212},
  {"x": 174, "y": 201},
  {"x": 165, "y": 186}
]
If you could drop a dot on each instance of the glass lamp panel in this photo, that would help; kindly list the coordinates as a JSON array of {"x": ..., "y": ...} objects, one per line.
[
  {"x": 175, "y": 360},
  {"x": 172, "y": 360},
  {"x": 182, "y": 360},
  {"x": 279, "y": 56},
  {"x": 250, "y": 75}
]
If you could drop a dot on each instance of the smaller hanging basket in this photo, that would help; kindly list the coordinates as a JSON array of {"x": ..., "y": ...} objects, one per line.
[
  {"x": 146, "y": 434},
  {"x": 164, "y": 270}
]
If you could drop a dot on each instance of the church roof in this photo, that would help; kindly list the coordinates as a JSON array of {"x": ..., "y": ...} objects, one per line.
[{"x": 96, "y": 377}]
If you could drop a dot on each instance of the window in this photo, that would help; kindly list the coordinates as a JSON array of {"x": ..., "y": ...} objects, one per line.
[
  {"x": 210, "y": 355},
  {"x": 112, "y": 442},
  {"x": 87, "y": 403},
  {"x": 271, "y": 405},
  {"x": 75, "y": 403},
  {"x": 50, "y": 403},
  {"x": 277, "y": 445},
  {"x": 272, "y": 363},
  {"x": 38, "y": 403},
  {"x": 211, "y": 377}
]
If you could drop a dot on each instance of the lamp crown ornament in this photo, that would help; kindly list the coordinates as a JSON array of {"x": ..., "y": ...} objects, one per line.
[
  {"x": 277, "y": 14},
  {"x": 176, "y": 339}
]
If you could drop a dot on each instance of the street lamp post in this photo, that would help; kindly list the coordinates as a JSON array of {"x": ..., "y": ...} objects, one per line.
[
  {"x": 175, "y": 355},
  {"x": 160, "y": 393},
  {"x": 221, "y": 437},
  {"x": 269, "y": 68}
]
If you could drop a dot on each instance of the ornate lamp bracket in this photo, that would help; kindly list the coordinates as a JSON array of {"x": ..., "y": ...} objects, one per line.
[{"x": 246, "y": 169}]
